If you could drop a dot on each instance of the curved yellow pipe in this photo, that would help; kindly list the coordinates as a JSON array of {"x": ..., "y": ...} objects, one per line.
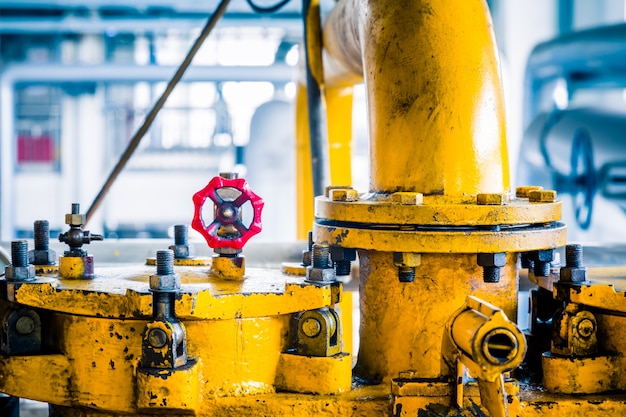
[{"x": 435, "y": 102}]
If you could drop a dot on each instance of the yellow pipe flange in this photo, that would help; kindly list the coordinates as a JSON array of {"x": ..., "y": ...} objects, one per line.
[
  {"x": 433, "y": 213},
  {"x": 444, "y": 240},
  {"x": 123, "y": 292}
]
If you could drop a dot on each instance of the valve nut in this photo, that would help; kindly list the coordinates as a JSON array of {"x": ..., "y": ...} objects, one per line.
[{"x": 74, "y": 219}]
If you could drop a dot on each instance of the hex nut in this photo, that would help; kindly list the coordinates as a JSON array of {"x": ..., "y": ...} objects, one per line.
[
  {"x": 182, "y": 251},
  {"x": 329, "y": 188},
  {"x": 169, "y": 282},
  {"x": 75, "y": 219},
  {"x": 523, "y": 191},
  {"x": 407, "y": 198},
  {"x": 343, "y": 194},
  {"x": 491, "y": 259},
  {"x": 409, "y": 259},
  {"x": 568, "y": 274},
  {"x": 492, "y": 199},
  {"x": 543, "y": 255},
  {"x": 42, "y": 257},
  {"x": 320, "y": 274},
  {"x": 542, "y": 196},
  {"x": 20, "y": 273},
  {"x": 337, "y": 253}
]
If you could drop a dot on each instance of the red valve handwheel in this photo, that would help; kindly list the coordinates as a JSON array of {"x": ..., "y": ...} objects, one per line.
[{"x": 227, "y": 213}]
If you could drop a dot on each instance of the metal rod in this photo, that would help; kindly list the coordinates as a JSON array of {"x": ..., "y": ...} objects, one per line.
[
  {"x": 314, "y": 76},
  {"x": 136, "y": 139}
]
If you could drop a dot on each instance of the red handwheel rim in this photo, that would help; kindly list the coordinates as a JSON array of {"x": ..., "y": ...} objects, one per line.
[{"x": 210, "y": 231}]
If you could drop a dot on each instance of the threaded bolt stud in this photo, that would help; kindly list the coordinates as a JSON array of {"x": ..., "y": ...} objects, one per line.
[
  {"x": 343, "y": 267},
  {"x": 180, "y": 234},
  {"x": 406, "y": 273},
  {"x": 75, "y": 208},
  {"x": 19, "y": 253},
  {"x": 165, "y": 262},
  {"x": 542, "y": 269},
  {"x": 574, "y": 256},
  {"x": 42, "y": 235},
  {"x": 491, "y": 274},
  {"x": 321, "y": 254}
]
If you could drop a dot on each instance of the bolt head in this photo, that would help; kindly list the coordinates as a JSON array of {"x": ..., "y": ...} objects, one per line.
[
  {"x": 343, "y": 194},
  {"x": 169, "y": 282},
  {"x": 311, "y": 327},
  {"x": 492, "y": 199},
  {"x": 491, "y": 259},
  {"x": 542, "y": 196},
  {"x": 522, "y": 192},
  {"x": 407, "y": 259},
  {"x": 157, "y": 338},
  {"x": 407, "y": 198}
]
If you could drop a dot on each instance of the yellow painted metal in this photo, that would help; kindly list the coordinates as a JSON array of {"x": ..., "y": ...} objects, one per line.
[
  {"x": 433, "y": 211},
  {"x": 581, "y": 375},
  {"x": 593, "y": 294},
  {"x": 442, "y": 241},
  {"x": 159, "y": 390},
  {"x": 224, "y": 267},
  {"x": 292, "y": 268},
  {"x": 197, "y": 261},
  {"x": 301, "y": 374},
  {"x": 47, "y": 270},
  {"x": 339, "y": 120},
  {"x": 403, "y": 324},
  {"x": 304, "y": 176},
  {"x": 413, "y": 398},
  {"x": 73, "y": 267},
  {"x": 123, "y": 292}
]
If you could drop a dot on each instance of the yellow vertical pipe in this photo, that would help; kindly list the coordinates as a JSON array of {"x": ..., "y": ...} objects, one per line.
[
  {"x": 339, "y": 120},
  {"x": 435, "y": 103},
  {"x": 304, "y": 176},
  {"x": 437, "y": 126}
]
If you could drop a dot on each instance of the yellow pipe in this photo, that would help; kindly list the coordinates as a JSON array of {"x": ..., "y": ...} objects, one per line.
[
  {"x": 436, "y": 123},
  {"x": 304, "y": 176},
  {"x": 436, "y": 108},
  {"x": 339, "y": 119}
]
